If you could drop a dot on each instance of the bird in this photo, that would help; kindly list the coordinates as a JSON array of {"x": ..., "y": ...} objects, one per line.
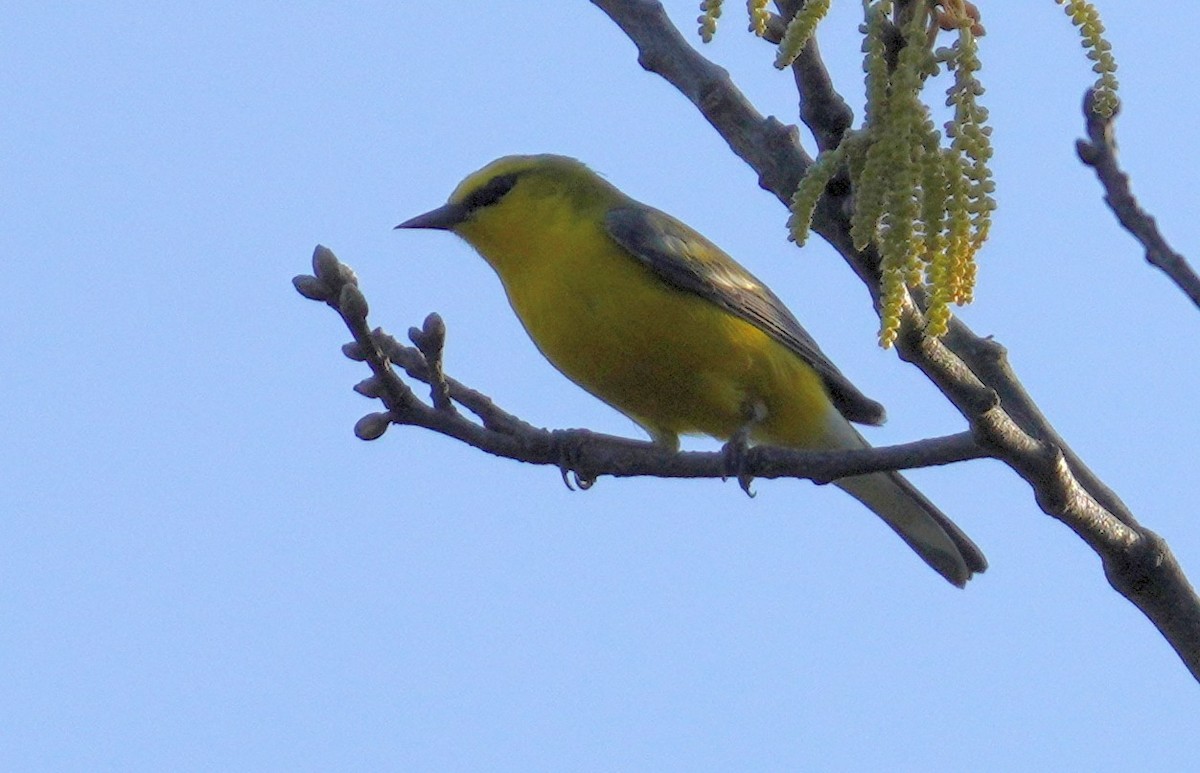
[{"x": 649, "y": 316}]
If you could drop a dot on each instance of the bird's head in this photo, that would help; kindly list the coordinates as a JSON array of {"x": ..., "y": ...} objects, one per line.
[{"x": 514, "y": 203}]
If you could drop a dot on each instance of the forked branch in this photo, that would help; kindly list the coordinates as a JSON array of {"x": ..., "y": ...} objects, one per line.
[
  {"x": 972, "y": 372},
  {"x": 581, "y": 454}
]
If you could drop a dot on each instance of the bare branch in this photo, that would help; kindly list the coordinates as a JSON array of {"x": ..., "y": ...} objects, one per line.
[
  {"x": 584, "y": 454},
  {"x": 768, "y": 146},
  {"x": 1099, "y": 151},
  {"x": 970, "y": 371},
  {"x": 822, "y": 108}
]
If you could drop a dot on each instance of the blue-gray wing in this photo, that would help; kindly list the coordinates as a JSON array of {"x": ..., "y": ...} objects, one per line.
[{"x": 688, "y": 262}]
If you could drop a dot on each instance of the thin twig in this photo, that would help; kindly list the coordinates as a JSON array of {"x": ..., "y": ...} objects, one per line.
[{"x": 1099, "y": 151}]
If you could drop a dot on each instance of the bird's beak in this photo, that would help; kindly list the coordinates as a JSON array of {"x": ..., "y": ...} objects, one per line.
[{"x": 444, "y": 218}]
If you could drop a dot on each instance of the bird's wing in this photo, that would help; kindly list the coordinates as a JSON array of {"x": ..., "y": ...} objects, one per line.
[{"x": 687, "y": 261}]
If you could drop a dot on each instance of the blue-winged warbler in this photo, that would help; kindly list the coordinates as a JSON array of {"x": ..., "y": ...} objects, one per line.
[{"x": 655, "y": 320}]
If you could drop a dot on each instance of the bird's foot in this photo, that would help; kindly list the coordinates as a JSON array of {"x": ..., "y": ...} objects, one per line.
[
  {"x": 735, "y": 452},
  {"x": 569, "y": 446}
]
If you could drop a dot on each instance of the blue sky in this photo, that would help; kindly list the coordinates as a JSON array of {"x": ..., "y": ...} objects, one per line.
[{"x": 202, "y": 568}]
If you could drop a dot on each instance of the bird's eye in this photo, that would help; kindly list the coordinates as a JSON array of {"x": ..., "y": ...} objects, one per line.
[{"x": 491, "y": 192}]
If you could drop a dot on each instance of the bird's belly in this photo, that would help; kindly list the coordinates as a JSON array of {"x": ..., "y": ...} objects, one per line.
[{"x": 672, "y": 361}]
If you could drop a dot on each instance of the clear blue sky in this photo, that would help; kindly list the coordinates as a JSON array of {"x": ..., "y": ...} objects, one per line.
[{"x": 202, "y": 568}]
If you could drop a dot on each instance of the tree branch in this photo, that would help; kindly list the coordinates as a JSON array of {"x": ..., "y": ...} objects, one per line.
[
  {"x": 971, "y": 372},
  {"x": 1099, "y": 151},
  {"x": 583, "y": 454},
  {"x": 822, "y": 108}
]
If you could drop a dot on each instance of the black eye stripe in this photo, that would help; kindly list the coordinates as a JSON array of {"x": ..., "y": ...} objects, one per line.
[{"x": 490, "y": 193}]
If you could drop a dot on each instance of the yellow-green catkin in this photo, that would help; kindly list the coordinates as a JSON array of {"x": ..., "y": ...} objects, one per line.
[
  {"x": 870, "y": 173},
  {"x": 924, "y": 201},
  {"x": 759, "y": 16},
  {"x": 959, "y": 249},
  {"x": 971, "y": 205},
  {"x": 710, "y": 11},
  {"x": 808, "y": 192},
  {"x": 926, "y": 208},
  {"x": 900, "y": 249},
  {"x": 921, "y": 198},
  {"x": 1085, "y": 16},
  {"x": 799, "y": 30},
  {"x": 934, "y": 193}
]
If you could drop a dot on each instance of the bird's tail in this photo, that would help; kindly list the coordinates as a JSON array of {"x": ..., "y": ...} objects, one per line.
[{"x": 926, "y": 529}]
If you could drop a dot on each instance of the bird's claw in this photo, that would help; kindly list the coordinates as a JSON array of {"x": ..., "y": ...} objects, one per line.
[
  {"x": 735, "y": 452},
  {"x": 568, "y": 461}
]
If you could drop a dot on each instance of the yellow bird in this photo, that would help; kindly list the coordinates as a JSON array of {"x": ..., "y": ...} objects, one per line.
[{"x": 655, "y": 320}]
